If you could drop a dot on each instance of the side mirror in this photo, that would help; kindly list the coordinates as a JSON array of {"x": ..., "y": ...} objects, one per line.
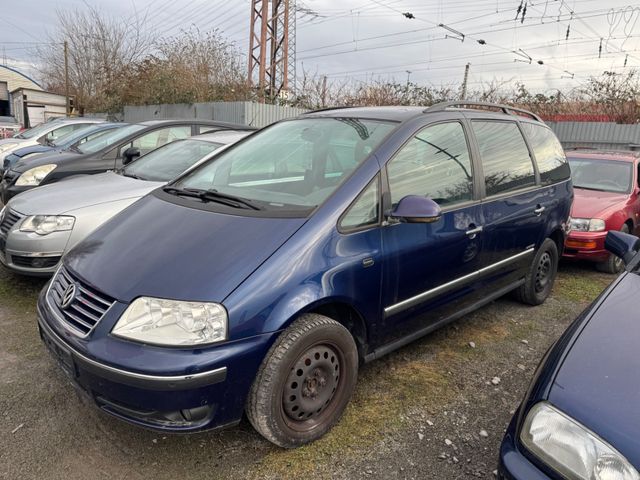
[
  {"x": 622, "y": 245},
  {"x": 417, "y": 209},
  {"x": 129, "y": 154}
]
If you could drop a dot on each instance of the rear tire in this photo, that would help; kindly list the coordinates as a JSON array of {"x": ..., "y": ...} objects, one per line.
[
  {"x": 541, "y": 275},
  {"x": 613, "y": 264},
  {"x": 304, "y": 383}
]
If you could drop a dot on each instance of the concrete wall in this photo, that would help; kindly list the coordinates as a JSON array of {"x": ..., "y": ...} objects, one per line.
[{"x": 247, "y": 113}]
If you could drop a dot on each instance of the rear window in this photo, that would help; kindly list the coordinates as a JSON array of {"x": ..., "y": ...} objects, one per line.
[
  {"x": 505, "y": 157},
  {"x": 552, "y": 164}
]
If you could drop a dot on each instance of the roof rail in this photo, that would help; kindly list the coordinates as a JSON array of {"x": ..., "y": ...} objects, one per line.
[
  {"x": 506, "y": 109},
  {"x": 327, "y": 109}
]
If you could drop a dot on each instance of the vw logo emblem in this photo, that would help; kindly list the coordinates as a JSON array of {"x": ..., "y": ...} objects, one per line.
[{"x": 68, "y": 296}]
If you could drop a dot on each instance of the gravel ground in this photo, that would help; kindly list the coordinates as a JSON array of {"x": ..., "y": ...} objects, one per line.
[{"x": 435, "y": 409}]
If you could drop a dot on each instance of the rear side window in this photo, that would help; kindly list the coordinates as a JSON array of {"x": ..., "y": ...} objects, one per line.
[
  {"x": 505, "y": 157},
  {"x": 435, "y": 164},
  {"x": 157, "y": 138},
  {"x": 552, "y": 164}
]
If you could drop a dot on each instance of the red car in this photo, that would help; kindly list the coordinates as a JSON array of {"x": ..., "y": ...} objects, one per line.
[{"x": 607, "y": 197}]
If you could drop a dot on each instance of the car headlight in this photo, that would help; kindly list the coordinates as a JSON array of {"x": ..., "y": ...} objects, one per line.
[
  {"x": 587, "y": 224},
  {"x": 3, "y": 213},
  {"x": 172, "y": 322},
  {"x": 33, "y": 176},
  {"x": 46, "y": 224},
  {"x": 6, "y": 146},
  {"x": 571, "y": 449}
]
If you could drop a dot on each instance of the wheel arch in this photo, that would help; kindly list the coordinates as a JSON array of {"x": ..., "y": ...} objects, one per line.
[
  {"x": 349, "y": 317},
  {"x": 340, "y": 309},
  {"x": 630, "y": 224},
  {"x": 558, "y": 237}
]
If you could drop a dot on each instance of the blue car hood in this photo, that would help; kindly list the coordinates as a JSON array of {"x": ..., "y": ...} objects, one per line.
[
  {"x": 160, "y": 249},
  {"x": 21, "y": 152},
  {"x": 598, "y": 383}
]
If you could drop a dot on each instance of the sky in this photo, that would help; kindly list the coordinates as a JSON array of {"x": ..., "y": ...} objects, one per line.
[{"x": 360, "y": 40}]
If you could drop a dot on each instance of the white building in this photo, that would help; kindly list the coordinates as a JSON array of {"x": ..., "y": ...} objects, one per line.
[{"x": 23, "y": 98}]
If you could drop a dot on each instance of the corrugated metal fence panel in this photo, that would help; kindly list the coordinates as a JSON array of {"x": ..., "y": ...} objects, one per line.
[
  {"x": 248, "y": 113},
  {"x": 230, "y": 112},
  {"x": 261, "y": 115},
  {"x": 596, "y": 134}
]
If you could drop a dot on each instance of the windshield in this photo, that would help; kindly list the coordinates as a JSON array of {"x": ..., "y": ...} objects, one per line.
[
  {"x": 167, "y": 162},
  {"x": 73, "y": 137},
  {"x": 602, "y": 175},
  {"x": 108, "y": 139},
  {"x": 296, "y": 163},
  {"x": 37, "y": 131}
]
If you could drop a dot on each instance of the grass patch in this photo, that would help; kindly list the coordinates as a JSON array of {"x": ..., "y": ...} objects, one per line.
[
  {"x": 580, "y": 287},
  {"x": 385, "y": 390},
  {"x": 19, "y": 293}
]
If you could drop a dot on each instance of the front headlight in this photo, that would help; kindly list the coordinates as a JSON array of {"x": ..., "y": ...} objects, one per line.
[
  {"x": 6, "y": 146},
  {"x": 46, "y": 224},
  {"x": 570, "y": 449},
  {"x": 33, "y": 177},
  {"x": 171, "y": 322},
  {"x": 587, "y": 224}
]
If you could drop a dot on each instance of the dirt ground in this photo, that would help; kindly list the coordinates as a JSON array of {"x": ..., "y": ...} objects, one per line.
[{"x": 417, "y": 413}]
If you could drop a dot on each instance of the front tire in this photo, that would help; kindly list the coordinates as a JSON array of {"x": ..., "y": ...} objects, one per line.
[
  {"x": 613, "y": 264},
  {"x": 541, "y": 275},
  {"x": 304, "y": 383}
]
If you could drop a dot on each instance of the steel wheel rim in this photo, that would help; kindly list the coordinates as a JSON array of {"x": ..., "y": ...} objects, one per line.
[
  {"x": 543, "y": 271},
  {"x": 313, "y": 387},
  {"x": 617, "y": 263}
]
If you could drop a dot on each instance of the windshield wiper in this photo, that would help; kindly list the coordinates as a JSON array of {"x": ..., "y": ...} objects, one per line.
[
  {"x": 213, "y": 193},
  {"x": 212, "y": 196},
  {"x": 131, "y": 175},
  {"x": 592, "y": 188}
]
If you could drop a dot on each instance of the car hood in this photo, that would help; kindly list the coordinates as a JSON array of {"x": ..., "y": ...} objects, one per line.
[
  {"x": 597, "y": 383},
  {"x": 22, "y": 151},
  {"x": 593, "y": 204},
  {"x": 12, "y": 140},
  {"x": 57, "y": 157},
  {"x": 160, "y": 249},
  {"x": 69, "y": 195}
]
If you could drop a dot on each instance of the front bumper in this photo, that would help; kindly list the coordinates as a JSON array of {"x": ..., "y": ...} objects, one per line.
[
  {"x": 586, "y": 246},
  {"x": 31, "y": 254},
  {"x": 514, "y": 465},
  {"x": 186, "y": 401}
]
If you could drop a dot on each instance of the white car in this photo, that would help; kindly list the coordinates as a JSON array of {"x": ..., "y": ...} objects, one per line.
[
  {"x": 39, "y": 226},
  {"x": 43, "y": 133}
]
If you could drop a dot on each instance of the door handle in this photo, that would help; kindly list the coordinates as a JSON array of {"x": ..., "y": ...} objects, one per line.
[
  {"x": 538, "y": 211},
  {"x": 473, "y": 232}
]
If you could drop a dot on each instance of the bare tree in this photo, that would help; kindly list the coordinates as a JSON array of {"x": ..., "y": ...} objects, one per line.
[{"x": 101, "y": 48}]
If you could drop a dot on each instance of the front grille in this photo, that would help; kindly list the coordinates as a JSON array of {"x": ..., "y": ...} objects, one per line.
[
  {"x": 10, "y": 219},
  {"x": 10, "y": 176},
  {"x": 35, "y": 262},
  {"x": 87, "y": 306}
]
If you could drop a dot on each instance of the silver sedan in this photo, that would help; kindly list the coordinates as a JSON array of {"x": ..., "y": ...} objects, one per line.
[{"x": 39, "y": 226}]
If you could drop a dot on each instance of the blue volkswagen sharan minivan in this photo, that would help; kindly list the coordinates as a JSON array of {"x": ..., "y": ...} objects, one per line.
[{"x": 259, "y": 282}]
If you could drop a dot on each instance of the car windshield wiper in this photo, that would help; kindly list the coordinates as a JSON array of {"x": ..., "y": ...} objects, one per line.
[
  {"x": 212, "y": 196},
  {"x": 213, "y": 193},
  {"x": 131, "y": 175},
  {"x": 593, "y": 188}
]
